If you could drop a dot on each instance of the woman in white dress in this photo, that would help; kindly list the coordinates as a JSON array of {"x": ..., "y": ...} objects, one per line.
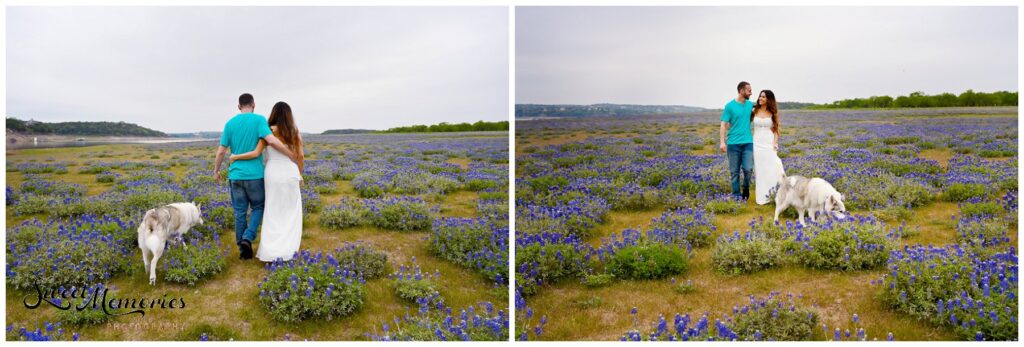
[
  {"x": 768, "y": 170},
  {"x": 282, "y": 216}
]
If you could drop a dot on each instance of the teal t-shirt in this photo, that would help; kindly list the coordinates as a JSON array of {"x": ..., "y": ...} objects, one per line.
[
  {"x": 242, "y": 133},
  {"x": 738, "y": 117}
]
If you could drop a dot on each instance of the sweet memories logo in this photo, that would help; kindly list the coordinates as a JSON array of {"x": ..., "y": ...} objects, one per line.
[{"x": 98, "y": 298}]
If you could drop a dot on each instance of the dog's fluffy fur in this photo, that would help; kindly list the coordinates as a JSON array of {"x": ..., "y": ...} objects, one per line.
[
  {"x": 808, "y": 196},
  {"x": 161, "y": 224}
]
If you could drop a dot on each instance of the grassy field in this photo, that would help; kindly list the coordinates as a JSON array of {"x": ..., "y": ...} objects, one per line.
[
  {"x": 227, "y": 306},
  {"x": 578, "y": 312}
]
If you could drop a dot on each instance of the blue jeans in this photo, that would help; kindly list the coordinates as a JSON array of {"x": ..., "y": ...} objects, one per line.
[
  {"x": 246, "y": 194},
  {"x": 741, "y": 156}
]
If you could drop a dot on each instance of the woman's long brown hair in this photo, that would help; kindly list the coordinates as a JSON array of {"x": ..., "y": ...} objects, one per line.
[
  {"x": 772, "y": 107},
  {"x": 281, "y": 117}
]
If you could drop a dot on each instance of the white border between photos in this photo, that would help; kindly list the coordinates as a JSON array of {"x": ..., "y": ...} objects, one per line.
[{"x": 511, "y": 171}]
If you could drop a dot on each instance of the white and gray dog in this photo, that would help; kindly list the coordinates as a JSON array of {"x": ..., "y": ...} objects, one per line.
[
  {"x": 808, "y": 196},
  {"x": 161, "y": 224}
]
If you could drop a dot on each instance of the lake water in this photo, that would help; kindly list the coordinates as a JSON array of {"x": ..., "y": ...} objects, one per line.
[{"x": 40, "y": 143}]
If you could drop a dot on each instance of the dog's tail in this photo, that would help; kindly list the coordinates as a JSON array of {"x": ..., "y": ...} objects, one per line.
[{"x": 149, "y": 222}]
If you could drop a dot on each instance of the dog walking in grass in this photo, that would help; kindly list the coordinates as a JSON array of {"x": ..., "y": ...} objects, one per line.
[
  {"x": 808, "y": 195},
  {"x": 161, "y": 224}
]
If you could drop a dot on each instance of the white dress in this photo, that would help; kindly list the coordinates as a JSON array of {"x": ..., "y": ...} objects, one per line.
[
  {"x": 282, "y": 208},
  {"x": 768, "y": 168}
]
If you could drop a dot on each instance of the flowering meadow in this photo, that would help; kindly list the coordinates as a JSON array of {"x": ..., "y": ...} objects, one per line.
[
  {"x": 625, "y": 230},
  {"x": 405, "y": 237}
]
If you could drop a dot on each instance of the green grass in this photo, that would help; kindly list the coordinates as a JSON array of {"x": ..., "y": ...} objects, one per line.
[
  {"x": 228, "y": 305},
  {"x": 839, "y": 295},
  {"x": 577, "y": 312}
]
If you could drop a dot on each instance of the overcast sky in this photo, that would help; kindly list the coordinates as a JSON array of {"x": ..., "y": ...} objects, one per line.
[
  {"x": 182, "y": 69},
  {"x": 696, "y": 55}
]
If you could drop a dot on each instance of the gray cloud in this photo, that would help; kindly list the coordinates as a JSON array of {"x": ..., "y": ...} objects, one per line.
[
  {"x": 696, "y": 55},
  {"x": 181, "y": 69}
]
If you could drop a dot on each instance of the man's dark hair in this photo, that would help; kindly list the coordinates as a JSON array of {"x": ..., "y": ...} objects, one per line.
[
  {"x": 739, "y": 88},
  {"x": 246, "y": 100}
]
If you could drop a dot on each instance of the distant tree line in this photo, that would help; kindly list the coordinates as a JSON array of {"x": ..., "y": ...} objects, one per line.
[
  {"x": 446, "y": 127},
  {"x": 919, "y": 99},
  {"x": 613, "y": 110},
  {"x": 790, "y": 105},
  {"x": 80, "y": 128}
]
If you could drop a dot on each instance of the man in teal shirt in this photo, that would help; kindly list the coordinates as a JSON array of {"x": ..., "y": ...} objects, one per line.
[
  {"x": 241, "y": 134},
  {"x": 740, "y": 145}
]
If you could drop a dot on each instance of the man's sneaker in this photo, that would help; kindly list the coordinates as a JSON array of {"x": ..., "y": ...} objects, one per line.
[{"x": 246, "y": 249}]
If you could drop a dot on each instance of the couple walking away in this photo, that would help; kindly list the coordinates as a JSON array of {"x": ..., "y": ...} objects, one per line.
[
  {"x": 264, "y": 181},
  {"x": 752, "y": 151}
]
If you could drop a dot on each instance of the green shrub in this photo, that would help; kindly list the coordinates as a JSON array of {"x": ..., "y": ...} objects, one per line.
[
  {"x": 310, "y": 287},
  {"x": 991, "y": 153},
  {"x": 77, "y": 207},
  {"x": 94, "y": 169},
  {"x": 586, "y": 302},
  {"x": 772, "y": 319},
  {"x": 895, "y": 213},
  {"x": 647, "y": 260},
  {"x": 882, "y": 190},
  {"x": 346, "y": 213},
  {"x": 493, "y": 195},
  {"x": 950, "y": 286},
  {"x": 142, "y": 199},
  {"x": 40, "y": 332},
  {"x": 912, "y": 195},
  {"x": 747, "y": 253},
  {"x": 30, "y": 204},
  {"x": 963, "y": 191},
  {"x": 477, "y": 243},
  {"x": 725, "y": 206},
  {"x": 854, "y": 244},
  {"x": 548, "y": 262},
  {"x": 82, "y": 311},
  {"x": 479, "y": 184},
  {"x": 980, "y": 208},
  {"x": 310, "y": 203},
  {"x": 361, "y": 258},
  {"x": 151, "y": 177},
  {"x": 903, "y": 167},
  {"x": 414, "y": 285},
  {"x": 221, "y": 215},
  {"x": 400, "y": 213},
  {"x": 369, "y": 191},
  {"x": 42, "y": 185},
  {"x": 442, "y": 323},
  {"x": 598, "y": 280},
  {"x": 683, "y": 226},
  {"x": 683, "y": 288},
  {"x": 106, "y": 177},
  {"x": 550, "y": 215},
  {"x": 202, "y": 259},
  {"x": 493, "y": 210},
  {"x": 96, "y": 255},
  {"x": 86, "y": 316},
  {"x": 982, "y": 235}
]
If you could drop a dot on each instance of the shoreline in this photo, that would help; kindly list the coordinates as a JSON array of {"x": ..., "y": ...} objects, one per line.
[{"x": 29, "y": 141}]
